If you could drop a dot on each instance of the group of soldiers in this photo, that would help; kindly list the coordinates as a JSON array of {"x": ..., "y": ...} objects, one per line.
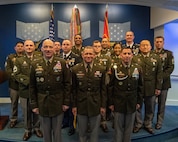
[{"x": 62, "y": 85}]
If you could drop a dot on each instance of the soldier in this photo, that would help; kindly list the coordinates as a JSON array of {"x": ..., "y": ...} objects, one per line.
[
  {"x": 89, "y": 92},
  {"x": 21, "y": 71},
  {"x": 13, "y": 84},
  {"x": 115, "y": 56},
  {"x": 168, "y": 67},
  {"x": 106, "y": 47},
  {"x": 125, "y": 94},
  {"x": 105, "y": 61},
  {"x": 50, "y": 88},
  {"x": 57, "y": 48},
  {"x": 152, "y": 75},
  {"x": 78, "y": 47},
  {"x": 71, "y": 60},
  {"x": 129, "y": 37}
]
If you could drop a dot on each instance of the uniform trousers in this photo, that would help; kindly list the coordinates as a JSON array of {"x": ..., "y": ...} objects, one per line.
[
  {"x": 123, "y": 126},
  {"x": 94, "y": 122},
  {"x": 14, "y": 97},
  {"x": 51, "y": 127},
  {"x": 31, "y": 120},
  {"x": 161, "y": 106},
  {"x": 149, "y": 103}
]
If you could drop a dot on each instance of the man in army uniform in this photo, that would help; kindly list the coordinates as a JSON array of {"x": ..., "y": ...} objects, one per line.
[
  {"x": 71, "y": 60},
  {"x": 78, "y": 47},
  {"x": 89, "y": 95},
  {"x": 13, "y": 84},
  {"x": 21, "y": 71},
  {"x": 50, "y": 89},
  {"x": 57, "y": 48},
  {"x": 106, "y": 47},
  {"x": 129, "y": 37},
  {"x": 105, "y": 61},
  {"x": 168, "y": 67},
  {"x": 152, "y": 75},
  {"x": 125, "y": 94}
]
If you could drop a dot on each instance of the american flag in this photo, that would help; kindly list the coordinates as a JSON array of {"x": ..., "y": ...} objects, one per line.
[{"x": 51, "y": 25}]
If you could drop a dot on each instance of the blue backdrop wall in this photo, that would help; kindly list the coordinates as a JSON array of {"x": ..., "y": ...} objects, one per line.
[{"x": 139, "y": 16}]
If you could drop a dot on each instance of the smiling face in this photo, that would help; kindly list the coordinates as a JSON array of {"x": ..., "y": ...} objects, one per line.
[
  {"x": 88, "y": 54},
  {"x": 78, "y": 40},
  {"x": 105, "y": 43},
  {"x": 117, "y": 49},
  {"x": 48, "y": 48},
  {"x": 129, "y": 37},
  {"x": 126, "y": 55}
]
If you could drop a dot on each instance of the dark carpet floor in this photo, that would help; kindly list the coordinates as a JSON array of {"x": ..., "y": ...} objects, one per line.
[{"x": 166, "y": 134}]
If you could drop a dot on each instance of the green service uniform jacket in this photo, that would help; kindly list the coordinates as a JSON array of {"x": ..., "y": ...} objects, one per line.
[
  {"x": 21, "y": 71},
  {"x": 104, "y": 60},
  {"x": 152, "y": 72},
  {"x": 50, "y": 86},
  {"x": 135, "y": 48},
  {"x": 167, "y": 60},
  {"x": 125, "y": 89},
  {"x": 89, "y": 89},
  {"x": 77, "y": 51},
  {"x": 10, "y": 61}
]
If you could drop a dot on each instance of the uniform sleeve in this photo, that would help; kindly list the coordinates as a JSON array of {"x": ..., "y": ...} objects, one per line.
[
  {"x": 32, "y": 89},
  {"x": 67, "y": 84},
  {"x": 74, "y": 88},
  {"x": 169, "y": 65},
  {"x": 159, "y": 74},
  {"x": 103, "y": 90},
  {"x": 111, "y": 87},
  {"x": 9, "y": 66},
  {"x": 140, "y": 88},
  {"x": 18, "y": 75}
]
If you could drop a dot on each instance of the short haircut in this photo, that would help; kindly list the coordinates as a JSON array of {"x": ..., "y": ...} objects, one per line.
[{"x": 159, "y": 37}]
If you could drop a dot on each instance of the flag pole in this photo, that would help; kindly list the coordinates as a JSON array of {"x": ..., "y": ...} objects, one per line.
[
  {"x": 51, "y": 24},
  {"x": 75, "y": 24},
  {"x": 106, "y": 24}
]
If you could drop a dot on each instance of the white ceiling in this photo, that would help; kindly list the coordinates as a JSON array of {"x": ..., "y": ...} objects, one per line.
[{"x": 168, "y": 4}]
